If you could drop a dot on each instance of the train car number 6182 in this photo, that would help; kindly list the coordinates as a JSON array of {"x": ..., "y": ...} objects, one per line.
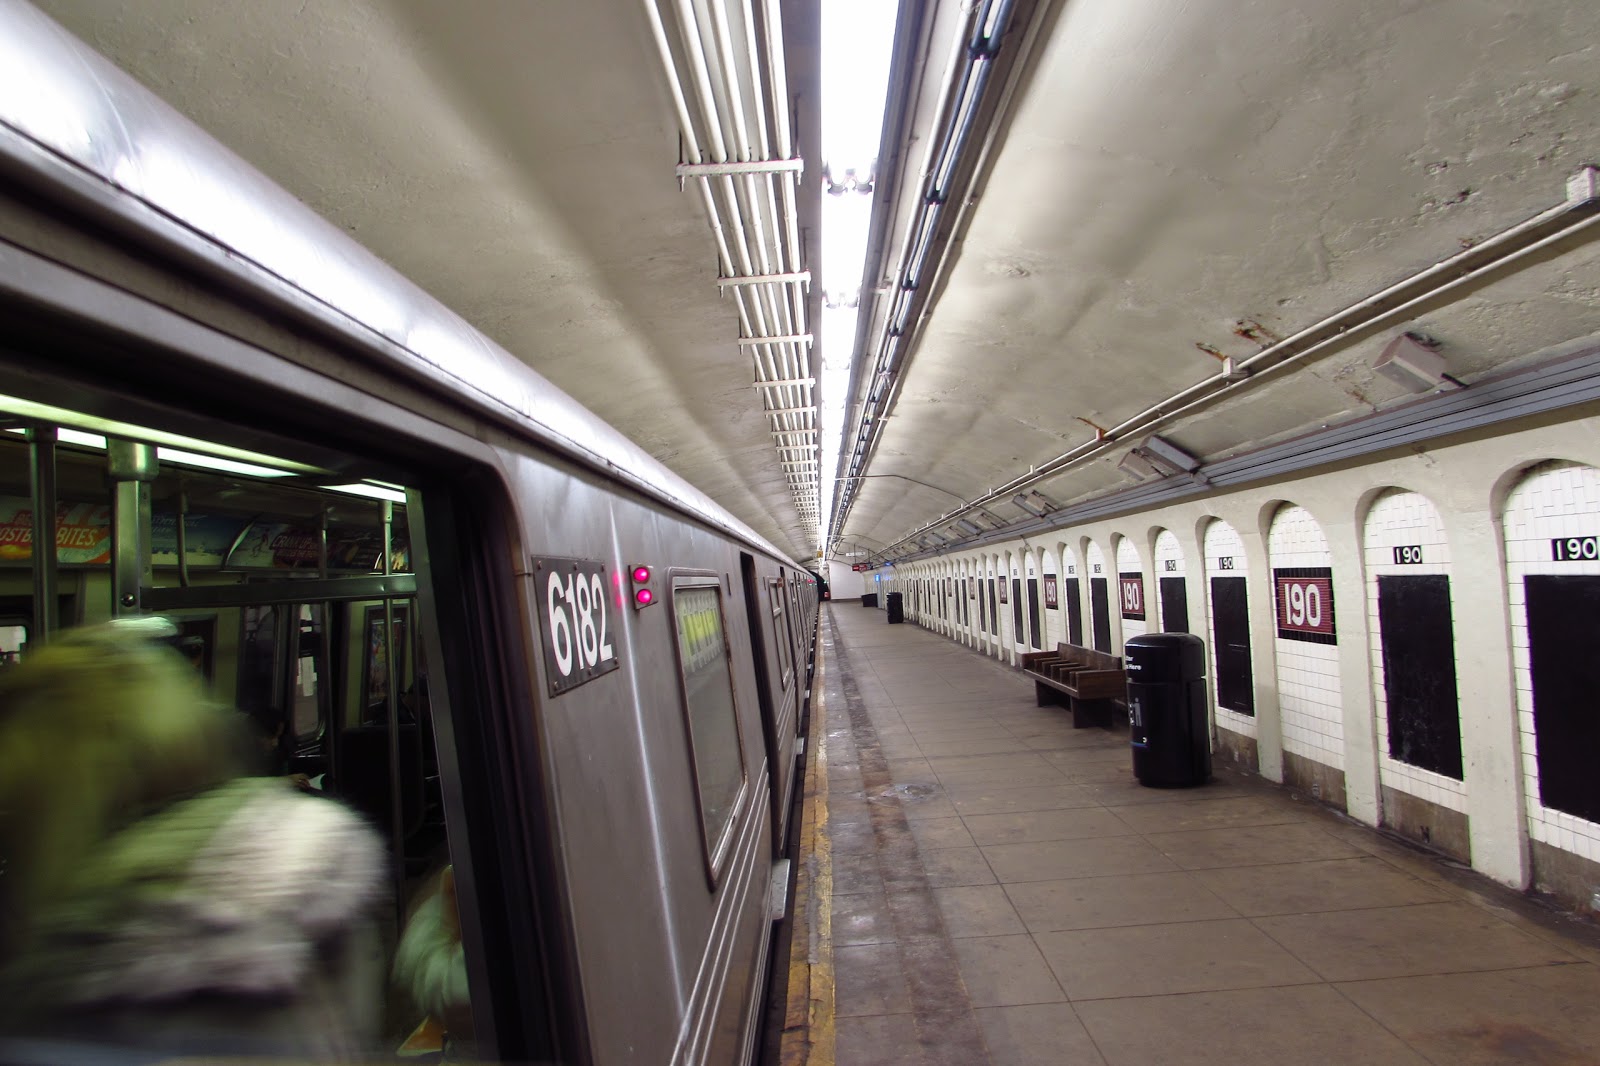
[{"x": 576, "y": 611}]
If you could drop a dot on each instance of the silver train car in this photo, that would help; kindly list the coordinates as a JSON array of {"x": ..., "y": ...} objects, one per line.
[{"x": 474, "y": 611}]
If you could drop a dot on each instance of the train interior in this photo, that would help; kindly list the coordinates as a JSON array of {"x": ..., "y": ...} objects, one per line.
[{"x": 292, "y": 593}]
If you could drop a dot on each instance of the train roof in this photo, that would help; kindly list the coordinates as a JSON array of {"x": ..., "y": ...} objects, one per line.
[{"x": 72, "y": 117}]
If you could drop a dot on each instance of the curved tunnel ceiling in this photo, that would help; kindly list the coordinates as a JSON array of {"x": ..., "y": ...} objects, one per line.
[
  {"x": 1181, "y": 183},
  {"x": 1169, "y": 184}
]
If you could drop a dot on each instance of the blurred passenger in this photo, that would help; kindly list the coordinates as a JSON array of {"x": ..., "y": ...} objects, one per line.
[
  {"x": 431, "y": 967},
  {"x": 154, "y": 897}
]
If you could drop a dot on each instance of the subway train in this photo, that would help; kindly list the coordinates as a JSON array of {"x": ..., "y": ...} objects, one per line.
[{"x": 476, "y": 613}]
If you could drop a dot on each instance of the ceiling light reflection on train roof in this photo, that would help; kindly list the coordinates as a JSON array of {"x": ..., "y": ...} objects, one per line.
[{"x": 92, "y": 430}]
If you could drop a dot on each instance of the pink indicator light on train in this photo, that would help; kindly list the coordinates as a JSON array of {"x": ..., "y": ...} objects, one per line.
[{"x": 643, "y": 594}]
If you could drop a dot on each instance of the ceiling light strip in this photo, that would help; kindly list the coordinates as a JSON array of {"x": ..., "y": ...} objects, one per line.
[{"x": 753, "y": 166}]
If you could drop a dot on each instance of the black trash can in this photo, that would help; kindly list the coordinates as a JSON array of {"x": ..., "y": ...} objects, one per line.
[
  {"x": 869, "y": 599},
  {"x": 897, "y": 607},
  {"x": 1167, "y": 709}
]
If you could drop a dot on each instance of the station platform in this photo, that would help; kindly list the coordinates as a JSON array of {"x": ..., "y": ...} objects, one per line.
[{"x": 984, "y": 884}]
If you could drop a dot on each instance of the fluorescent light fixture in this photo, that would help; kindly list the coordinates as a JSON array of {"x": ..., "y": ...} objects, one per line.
[
  {"x": 1136, "y": 465},
  {"x": 95, "y": 427},
  {"x": 1022, "y": 501},
  {"x": 212, "y": 462},
  {"x": 969, "y": 526},
  {"x": 1164, "y": 453},
  {"x": 370, "y": 489},
  {"x": 178, "y": 456}
]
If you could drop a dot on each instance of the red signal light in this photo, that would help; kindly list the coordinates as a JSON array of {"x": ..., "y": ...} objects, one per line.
[{"x": 643, "y": 594}]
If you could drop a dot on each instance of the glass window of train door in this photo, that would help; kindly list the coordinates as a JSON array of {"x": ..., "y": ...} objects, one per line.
[
  {"x": 781, "y": 635},
  {"x": 710, "y": 712}
]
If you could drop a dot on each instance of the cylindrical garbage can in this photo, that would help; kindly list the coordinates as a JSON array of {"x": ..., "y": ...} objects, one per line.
[
  {"x": 1167, "y": 709},
  {"x": 897, "y": 607}
]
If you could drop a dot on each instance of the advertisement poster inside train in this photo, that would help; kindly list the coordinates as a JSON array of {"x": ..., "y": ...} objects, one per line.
[{"x": 83, "y": 532}]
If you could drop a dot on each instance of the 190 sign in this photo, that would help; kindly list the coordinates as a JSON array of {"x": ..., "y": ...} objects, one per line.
[{"x": 1575, "y": 549}]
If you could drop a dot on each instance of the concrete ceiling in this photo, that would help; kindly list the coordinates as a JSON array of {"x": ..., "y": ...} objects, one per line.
[{"x": 1172, "y": 177}]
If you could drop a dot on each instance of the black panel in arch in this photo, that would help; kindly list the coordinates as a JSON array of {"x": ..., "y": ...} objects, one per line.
[
  {"x": 1231, "y": 616},
  {"x": 1174, "y": 605},
  {"x": 1100, "y": 613},
  {"x": 994, "y": 610},
  {"x": 1563, "y": 635},
  {"x": 1419, "y": 672},
  {"x": 1033, "y": 612},
  {"x": 1069, "y": 589},
  {"x": 1017, "y": 635}
]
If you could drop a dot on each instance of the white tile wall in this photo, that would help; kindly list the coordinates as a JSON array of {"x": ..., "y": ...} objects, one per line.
[
  {"x": 1400, "y": 518},
  {"x": 1308, "y": 674},
  {"x": 1223, "y": 540},
  {"x": 1553, "y": 500},
  {"x": 1128, "y": 563}
]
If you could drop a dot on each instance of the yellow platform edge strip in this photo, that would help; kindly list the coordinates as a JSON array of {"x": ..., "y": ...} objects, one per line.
[{"x": 808, "y": 1024}]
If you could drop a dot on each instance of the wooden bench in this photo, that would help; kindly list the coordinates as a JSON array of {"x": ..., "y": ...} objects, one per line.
[{"x": 1086, "y": 681}]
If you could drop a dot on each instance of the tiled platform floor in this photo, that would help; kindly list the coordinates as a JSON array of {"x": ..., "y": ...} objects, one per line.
[{"x": 1005, "y": 892}]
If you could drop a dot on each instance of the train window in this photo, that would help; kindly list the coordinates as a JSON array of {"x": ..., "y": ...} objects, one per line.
[
  {"x": 780, "y": 631},
  {"x": 714, "y": 742}
]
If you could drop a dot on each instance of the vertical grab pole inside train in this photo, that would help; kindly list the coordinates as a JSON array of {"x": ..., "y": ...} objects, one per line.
[
  {"x": 183, "y": 535},
  {"x": 392, "y": 711},
  {"x": 331, "y": 682},
  {"x": 42, "y": 454},
  {"x": 132, "y": 466}
]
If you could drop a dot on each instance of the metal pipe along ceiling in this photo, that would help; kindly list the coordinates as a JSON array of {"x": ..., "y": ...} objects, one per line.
[
  {"x": 728, "y": 116},
  {"x": 1575, "y": 219}
]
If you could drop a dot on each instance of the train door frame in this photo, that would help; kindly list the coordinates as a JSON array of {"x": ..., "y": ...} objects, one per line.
[{"x": 91, "y": 317}]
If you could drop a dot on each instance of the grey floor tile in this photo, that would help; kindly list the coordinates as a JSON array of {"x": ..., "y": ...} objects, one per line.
[
  {"x": 1100, "y": 902},
  {"x": 1037, "y": 1034},
  {"x": 1310, "y": 1025},
  {"x": 1545, "y": 1015},
  {"x": 995, "y": 742},
  {"x": 868, "y": 979},
  {"x": 977, "y": 910},
  {"x": 861, "y": 918},
  {"x": 1155, "y": 960},
  {"x": 1127, "y": 791},
  {"x": 948, "y": 867},
  {"x": 1003, "y": 762},
  {"x": 968, "y": 780},
  {"x": 880, "y": 1040},
  {"x": 856, "y": 877},
  {"x": 1215, "y": 814},
  {"x": 1056, "y": 859},
  {"x": 1025, "y": 826},
  {"x": 1428, "y": 938},
  {"x": 1257, "y": 845},
  {"x": 941, "y": 833},
  {"x": 1016, "y": 800},
  {"x": 1305, "y": 887},
  {"x": 1003, "y": 971}
]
